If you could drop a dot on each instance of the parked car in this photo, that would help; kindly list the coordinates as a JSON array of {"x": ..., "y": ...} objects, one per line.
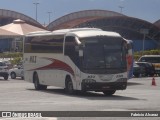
[
  {"x": 4, "y": 70},
  {"x": 154, "y": 59},
  {"x": 16, "y": 71},
  {"x": 8, "y": 63},
  {"x": 137, "y": 70},
  {"x": 147, "y": 68}
]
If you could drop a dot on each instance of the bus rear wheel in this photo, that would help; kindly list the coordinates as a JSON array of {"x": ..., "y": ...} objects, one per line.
[
  {"x": 36, "y": 83},
  {"x": 109, "y": 92},
  {"x": 69, "y": 86}
]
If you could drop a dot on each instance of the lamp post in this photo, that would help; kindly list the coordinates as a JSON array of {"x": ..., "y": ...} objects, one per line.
[
  {"x": 121, "y": 8},
  {"x": 144, "y": 32},
  {"x": 49, "y": 16},
  {"x": 36, "y": 4}
]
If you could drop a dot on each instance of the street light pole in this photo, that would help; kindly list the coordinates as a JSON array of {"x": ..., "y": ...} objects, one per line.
[
  {"x": 121, "y": 8},
  {"x": 49, "y": 15},
  {"x": 144, "y": 36},
  {"x": 36, "y": 4},
  {"x": 144, "y": 32}
]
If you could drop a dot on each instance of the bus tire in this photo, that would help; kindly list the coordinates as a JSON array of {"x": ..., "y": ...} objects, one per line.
[
  {"x": 69, "y": 86},
  {"x": 109, "y": 92},
  {"x": 36, "y": 83}
]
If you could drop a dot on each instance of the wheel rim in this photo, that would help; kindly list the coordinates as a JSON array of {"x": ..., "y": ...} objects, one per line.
[
  {"x": 35, "y": 83},
  {"x": 70, "y": 86}
]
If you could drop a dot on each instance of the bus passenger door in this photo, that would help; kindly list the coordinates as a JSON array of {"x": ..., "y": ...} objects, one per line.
[{"x": 70, "y": 51}]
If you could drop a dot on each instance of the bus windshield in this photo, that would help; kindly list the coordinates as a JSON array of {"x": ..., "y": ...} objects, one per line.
[{"x": 104, "y": 53}]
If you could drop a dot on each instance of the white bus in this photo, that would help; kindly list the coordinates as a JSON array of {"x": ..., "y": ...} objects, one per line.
[{"x": 85, "y": 59}]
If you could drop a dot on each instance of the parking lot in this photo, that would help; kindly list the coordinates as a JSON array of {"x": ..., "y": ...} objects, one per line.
[{"x": 19, "y": 95}]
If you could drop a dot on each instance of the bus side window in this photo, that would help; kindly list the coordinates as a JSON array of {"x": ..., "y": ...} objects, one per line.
[
  {"x": 70, "y": 49},
  {"x": 69, "y": 46}
]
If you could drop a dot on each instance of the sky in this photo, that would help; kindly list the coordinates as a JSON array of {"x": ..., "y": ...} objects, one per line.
[{"x": 148, "y": 10}]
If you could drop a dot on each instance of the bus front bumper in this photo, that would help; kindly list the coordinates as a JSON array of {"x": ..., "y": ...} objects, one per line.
[{"x": 120, "y": 84}]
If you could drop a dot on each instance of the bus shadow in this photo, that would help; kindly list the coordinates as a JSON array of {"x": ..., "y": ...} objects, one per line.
[
  {"x": 88, "y": 95},
  {"x": 133, "y": 83}
]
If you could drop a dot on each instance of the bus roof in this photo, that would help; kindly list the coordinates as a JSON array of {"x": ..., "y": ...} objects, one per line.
[
  {"x": 82, "y": 34},
  {"x": 79, "y": 32},
  {"x": 86, "y": 32},
  {"x": 65, "y": 31}
]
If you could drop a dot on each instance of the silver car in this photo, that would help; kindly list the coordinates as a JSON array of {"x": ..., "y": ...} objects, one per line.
[{"x": 16, "y": 71}]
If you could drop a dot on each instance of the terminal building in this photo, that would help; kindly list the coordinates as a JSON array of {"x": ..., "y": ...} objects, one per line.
[{"x": 134, "y": 29}]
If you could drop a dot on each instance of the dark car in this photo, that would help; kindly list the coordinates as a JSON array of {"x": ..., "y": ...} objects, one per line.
[
  {"x": 4, "y": 70},
  {"x": 137, "y": 70},
  {"x": 154, "y": 59},
  {"x": 147, "y": 69}
]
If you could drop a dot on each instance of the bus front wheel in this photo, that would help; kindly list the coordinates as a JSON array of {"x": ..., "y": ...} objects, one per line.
[
  {"x": 109, "y": 92},
  {"x": 36, "y": 83},
  {"x": 69, "y": 86}
]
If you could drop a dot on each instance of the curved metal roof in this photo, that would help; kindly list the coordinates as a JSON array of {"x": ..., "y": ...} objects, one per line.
[
  {"x": 73, "y": 19},
  {"x": 7, "y": 16},
  {"x": 157, "y": 23},
  {"x": 128, "y": 27}
]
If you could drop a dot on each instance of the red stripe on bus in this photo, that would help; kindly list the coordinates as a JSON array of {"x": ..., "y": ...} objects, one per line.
[{"x": 56, "y": 64}]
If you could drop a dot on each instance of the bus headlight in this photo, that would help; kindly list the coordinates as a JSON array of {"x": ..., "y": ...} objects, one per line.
[{"x": 88, "y": 81}]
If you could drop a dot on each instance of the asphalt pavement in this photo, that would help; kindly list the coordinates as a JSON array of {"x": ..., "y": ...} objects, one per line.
[{"x": 140, "y": 95}]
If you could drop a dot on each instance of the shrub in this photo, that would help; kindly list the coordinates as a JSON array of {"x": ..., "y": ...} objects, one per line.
[{"x": 15, "y": 58}]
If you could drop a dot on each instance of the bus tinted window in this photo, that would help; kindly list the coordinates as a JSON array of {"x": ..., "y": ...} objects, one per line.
[
  {"x": 44, "y": 44},
  {"x": 70, "y": 50},
  {"x": 104, "y": 53}
]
